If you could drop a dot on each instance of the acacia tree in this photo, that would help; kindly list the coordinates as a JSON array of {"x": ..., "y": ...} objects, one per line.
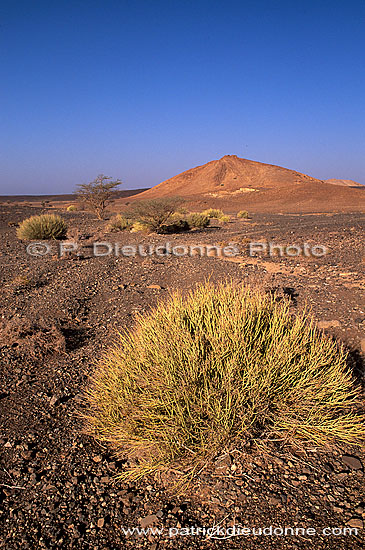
[{"x": 97, "y": 194}]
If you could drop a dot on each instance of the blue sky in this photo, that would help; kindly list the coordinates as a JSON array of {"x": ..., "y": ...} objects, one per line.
[{"x": 142, "y": 90}]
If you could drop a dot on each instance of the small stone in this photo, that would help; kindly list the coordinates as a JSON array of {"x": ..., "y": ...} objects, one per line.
[
  {"x": 8, "y": 445},
  {"x": 329, "y": 324},
  {"x": 274, "y": 501},
  {"x": 355, "y": 522},
  {"x": 26, "y": 455},
  {"x": 97, "y": 458},
  {"x": 53, "y": 400},
  {"x": 148, "y": 520},
  {"x": 101, "y": 523},
  {"x": 362, "y": 345},
  {"x": 156, "y": 287},
  {"x": 352, "y": 462}
]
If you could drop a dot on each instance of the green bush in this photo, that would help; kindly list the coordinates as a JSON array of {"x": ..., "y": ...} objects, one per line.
[
  {"x": 242, "y": 214},
  {"x": 119, "y": 223},
  {"x": 199, "y": 375},
  {"x": 197, "y": 220},
  {"x": 45, "y": 226}
]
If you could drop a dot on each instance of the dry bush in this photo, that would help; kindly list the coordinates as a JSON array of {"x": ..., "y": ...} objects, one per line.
[
  {"x": 213, "y": 213},
  {"x": 201, "y": 374},
  {"x": 198, "y": 220},
  {"x": 45, "y": 226},
  {"x": 71, "y": 208},
  {"x": 119, "y": 223},
  {"x": 243, "y": 214},
  {"x": 174, "y": 226},
  {"x": 138, "y": 226},
  {"x": 155, "y": 213}
]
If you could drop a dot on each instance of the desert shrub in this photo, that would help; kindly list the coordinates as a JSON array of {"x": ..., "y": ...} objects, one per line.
[
  {"x": 138, "y": 226},
  {"x": 242, "y": 214},
  {"x": 45, "y": 226},
  {"x": 213, "y": 213},
  {"x": 199, "y": 375},
  {"x": 156, "y": 212},
  {"x": 119, "y": 223},
  {"x": 97, "y": 194},
  {"x": 198, "y": 220},
  {"x": 173, "y": 226},
  {"x": 71, "y": 208},
  {"x": 177, "y": 217},
  {"x": 181, "y": 213},
  {"x": 224, "y": 219}
]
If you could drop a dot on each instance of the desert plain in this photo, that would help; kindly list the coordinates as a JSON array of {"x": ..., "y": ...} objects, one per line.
[{"x": 60, "y": 312}]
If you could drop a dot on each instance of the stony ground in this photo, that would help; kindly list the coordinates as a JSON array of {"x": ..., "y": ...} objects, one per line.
[{"x": 58, "y": 489}]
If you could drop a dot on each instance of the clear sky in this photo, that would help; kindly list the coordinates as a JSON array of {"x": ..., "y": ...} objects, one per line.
[{"x": 142, "y": 90}]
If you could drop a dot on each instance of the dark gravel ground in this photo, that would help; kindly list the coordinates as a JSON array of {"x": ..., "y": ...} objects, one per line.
[{"x": 58, "y": 488}]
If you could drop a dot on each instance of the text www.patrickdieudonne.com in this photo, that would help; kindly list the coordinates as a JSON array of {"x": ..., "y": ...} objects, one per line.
[{"x": 219, "y": 532}]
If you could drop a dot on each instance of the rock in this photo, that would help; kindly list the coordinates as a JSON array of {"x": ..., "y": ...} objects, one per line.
[
  {"x": 156, "y": 287},
  {"x": 362, "y": 345},
  {"x": 329, "y": 324},
  {"x": 100, "y": 523},
  {"x": 53, "y": 401},
  {"x": 224, "y": 462},
  {"x": 148, "y": 520},
  {"x": 352, "y": 462},
  {"x": 274, "y": 501},
  {"x": 356, "y": 522}
]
